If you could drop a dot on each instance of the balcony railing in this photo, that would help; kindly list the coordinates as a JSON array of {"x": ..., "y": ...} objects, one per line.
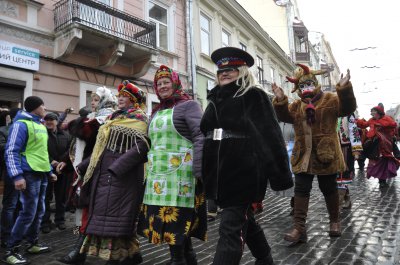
[
  {"x": 303, "y": 56},
  {"x": 103, "y": 18}
]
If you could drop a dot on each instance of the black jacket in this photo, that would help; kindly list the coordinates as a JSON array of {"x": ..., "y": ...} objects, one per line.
[
  {"x": 236, "y": 170},
  {"x": 3, "y": 142},
  {"x": 58, "y": 145}
]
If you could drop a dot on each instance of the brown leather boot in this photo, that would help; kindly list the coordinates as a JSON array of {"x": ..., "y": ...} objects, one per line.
[
  {"x": 298, "y": 233},
  {"x": 332, "y": 203}
]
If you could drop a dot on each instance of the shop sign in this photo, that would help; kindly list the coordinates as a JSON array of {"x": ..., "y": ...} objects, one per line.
[{"x": 19, "y": 56}]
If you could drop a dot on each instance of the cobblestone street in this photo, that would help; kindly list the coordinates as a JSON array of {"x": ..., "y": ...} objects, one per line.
[{"x": 371, "y": 232}]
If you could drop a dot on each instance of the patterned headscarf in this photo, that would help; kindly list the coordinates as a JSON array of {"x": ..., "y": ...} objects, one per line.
[
  {"x": 135, "y": 94},
  {"x": 177, "y": 95}
]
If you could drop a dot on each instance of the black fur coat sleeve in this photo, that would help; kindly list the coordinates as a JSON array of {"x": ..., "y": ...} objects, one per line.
[{"x": 270, "y": 145}]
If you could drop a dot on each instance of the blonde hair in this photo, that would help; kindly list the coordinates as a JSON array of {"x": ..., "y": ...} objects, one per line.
[{"x": 246, "y": 80}]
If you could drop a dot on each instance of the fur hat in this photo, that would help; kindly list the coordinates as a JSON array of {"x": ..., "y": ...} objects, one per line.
[
  {"x": 107, "y": 98},
  {"x": 231, "y": 57},
  {"x": 33, "y": 102}
]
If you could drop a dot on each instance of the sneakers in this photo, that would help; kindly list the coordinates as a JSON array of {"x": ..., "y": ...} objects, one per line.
[
  {"x": 14, "y": 258},
  {"x": 37, "y": 249}
]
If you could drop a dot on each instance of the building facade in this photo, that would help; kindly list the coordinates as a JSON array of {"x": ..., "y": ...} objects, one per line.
[
  {"x": 63, "y": 50},
  {"x": 224, "y": 23}
]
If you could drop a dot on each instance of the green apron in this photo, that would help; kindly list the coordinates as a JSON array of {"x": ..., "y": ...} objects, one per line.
[{"x": 169, "y": 178}]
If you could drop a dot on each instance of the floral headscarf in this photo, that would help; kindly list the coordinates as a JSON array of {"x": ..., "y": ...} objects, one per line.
[{"x": 177, "y": 95}]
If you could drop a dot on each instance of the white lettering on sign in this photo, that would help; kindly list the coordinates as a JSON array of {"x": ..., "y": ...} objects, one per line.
[{"x": 19, "y": 56}]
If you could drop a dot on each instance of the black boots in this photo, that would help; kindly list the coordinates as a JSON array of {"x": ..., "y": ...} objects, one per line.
[
  {"x": 383, "y": 183},
  {"x": 182, "y": 255},
  {"x": 177, "y": 255},
  {"x": 189, "y": 253},
  {"x": 134, "y": 260},
  {"x": 74, "y": 257},
  {"x": 265, "y": 261},
  {"x": 259, "y": 247}
]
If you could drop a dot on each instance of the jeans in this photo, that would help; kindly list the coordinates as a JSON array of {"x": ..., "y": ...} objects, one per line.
[
  {"x": 10, "y": 208},
  {"x": 29, "y": 218}
]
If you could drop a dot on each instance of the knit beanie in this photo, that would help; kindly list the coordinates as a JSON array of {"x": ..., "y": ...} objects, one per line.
[
  {"x": 33, "y": 102},
  {"x": 380, "y": 109}
]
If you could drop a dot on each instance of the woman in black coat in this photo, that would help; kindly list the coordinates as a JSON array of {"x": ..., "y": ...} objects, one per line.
[
  {"x": 115, "y": 175},
  {"x": 243, "y": 151}
]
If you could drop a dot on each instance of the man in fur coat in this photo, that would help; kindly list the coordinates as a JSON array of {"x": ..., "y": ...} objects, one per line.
[{"x": 317, "y": 149}]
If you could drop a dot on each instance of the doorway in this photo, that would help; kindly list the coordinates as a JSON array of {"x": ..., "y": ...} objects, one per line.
[{"x": 11, "y": 96}]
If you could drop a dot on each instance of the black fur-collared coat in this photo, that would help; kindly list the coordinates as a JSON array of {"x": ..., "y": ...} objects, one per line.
[{"x": 236, "y": 170}]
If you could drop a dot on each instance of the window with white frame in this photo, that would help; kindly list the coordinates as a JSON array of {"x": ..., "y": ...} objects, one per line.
[
  {"x": 280, "y": 81},
  {"x": 159, "y": 15},
  {"x": 242, "y": 46},
  {"x": 152, "y": 102},
  {"x": 272, "y": 74},
  {"x": 205, "y": 34},
  {"x": 301, "y": 44},
  {"x": 225, "y": 38},
  {"x": 260, "y": 70}
]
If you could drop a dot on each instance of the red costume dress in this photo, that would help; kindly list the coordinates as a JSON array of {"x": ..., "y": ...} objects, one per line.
[{"x": 384, "y": 165}]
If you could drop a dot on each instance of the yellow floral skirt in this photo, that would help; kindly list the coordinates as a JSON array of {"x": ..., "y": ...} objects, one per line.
[
  {"x": 110, "y": 248},
  {"x": 172, "y": 225}
]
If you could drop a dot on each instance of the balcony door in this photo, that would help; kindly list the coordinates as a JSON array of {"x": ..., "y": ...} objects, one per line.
[{"x": 96, "y": 17}]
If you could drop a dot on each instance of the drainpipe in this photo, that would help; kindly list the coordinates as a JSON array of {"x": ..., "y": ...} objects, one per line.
[{"x": 191, "y": 66}]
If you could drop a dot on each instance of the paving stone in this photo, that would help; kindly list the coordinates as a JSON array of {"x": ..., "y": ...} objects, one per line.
[{"x": 370, "y": 232}]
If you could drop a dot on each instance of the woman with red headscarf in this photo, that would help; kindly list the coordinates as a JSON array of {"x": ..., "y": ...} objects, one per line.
[
  {"x": 382, "y": 164},
  {"x": 174, "y": 208}
]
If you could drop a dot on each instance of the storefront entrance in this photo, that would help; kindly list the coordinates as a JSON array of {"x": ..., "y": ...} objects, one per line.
[{"x": 11, "y": 96}]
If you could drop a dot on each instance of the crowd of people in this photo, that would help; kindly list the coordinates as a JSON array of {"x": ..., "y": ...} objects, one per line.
[{"x": 125, "y": 174}]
